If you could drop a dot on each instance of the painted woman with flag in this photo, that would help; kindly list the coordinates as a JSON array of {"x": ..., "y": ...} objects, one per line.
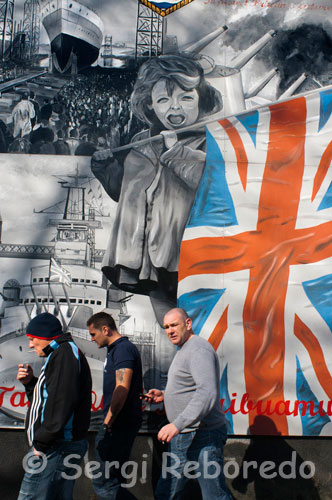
[{"x": 155, "y": 185}]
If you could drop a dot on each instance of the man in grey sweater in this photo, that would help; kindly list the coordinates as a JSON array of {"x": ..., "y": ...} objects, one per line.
[{"x": 197, "y": 430}]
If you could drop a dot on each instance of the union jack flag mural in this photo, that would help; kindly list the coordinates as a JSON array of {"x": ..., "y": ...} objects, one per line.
[{"x": 256, "y": 264}]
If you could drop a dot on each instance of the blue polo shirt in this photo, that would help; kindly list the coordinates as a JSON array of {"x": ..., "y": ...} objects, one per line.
[{"x": 123, "y": 354}]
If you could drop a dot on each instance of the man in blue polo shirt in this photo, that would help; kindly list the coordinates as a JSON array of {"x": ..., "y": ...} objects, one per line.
[{"x": 122, "y": 387}]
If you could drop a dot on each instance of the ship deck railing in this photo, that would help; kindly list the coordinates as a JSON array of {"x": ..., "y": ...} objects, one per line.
[{"x": 20, "y": 332}]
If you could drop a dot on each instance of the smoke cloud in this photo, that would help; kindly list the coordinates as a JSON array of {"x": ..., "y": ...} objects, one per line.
[{"x": 302, "y": 48}]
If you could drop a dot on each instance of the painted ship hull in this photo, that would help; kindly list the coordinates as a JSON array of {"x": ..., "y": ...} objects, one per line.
[
  {"x": 85, "y": 297},
  {"x": 70, "y": 286},
  {"x": 75, "y": 33}
]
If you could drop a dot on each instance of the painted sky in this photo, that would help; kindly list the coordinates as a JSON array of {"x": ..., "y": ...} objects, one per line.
[
  {"x": 303, "y": 43},
  {"x": 202, "y": 16}
]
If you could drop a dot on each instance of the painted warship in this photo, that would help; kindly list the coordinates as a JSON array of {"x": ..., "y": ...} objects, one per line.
[
  {"x": 75, "y": 32},
  {"x": 68, "y": 286}
]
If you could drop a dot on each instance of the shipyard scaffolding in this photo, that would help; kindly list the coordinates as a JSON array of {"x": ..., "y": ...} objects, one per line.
[
  {"x": 149, "y": 33},
  {"x": 31, "y": 29},
  {"x": 107, "y": 51},
  {"x": 6, "y": 25}
]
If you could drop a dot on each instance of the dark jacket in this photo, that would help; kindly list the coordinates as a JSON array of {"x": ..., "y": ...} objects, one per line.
[{"x": 60, "y": 399}]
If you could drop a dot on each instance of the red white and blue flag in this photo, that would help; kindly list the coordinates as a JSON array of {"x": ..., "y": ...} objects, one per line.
[
  {"x": 59, "y": 274},
  {"x": 255, "y": 268}
]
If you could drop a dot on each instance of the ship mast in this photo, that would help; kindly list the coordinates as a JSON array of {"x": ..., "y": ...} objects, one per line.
[{"x": 75, "y": 237}]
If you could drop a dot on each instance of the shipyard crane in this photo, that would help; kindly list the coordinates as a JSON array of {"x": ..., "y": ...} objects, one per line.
[
  {"x": 31, "y": 28},
  {"x": 19, "y": 40},
  {"x": 149, "y": 32},
  {"x": 6, "y": 25}
]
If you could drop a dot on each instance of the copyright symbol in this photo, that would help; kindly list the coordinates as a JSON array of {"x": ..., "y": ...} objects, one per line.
[{"x": 33, "y": 464}]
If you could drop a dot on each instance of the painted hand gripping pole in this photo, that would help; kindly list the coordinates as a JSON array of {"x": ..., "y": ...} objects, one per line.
[{"x": 256, "y": 263}]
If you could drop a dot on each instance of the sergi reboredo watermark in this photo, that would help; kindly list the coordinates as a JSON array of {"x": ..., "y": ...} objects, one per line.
[{"x": 133, "y": 471}]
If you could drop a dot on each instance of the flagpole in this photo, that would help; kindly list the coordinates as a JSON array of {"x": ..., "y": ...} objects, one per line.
[
  {"x": 148, "y": 140},
  {"x": 212, "y": 118},
  {"x": 70, "y": 307},
  {"x": 55, "y": 301},
  {"x": 64, "y": 323},
  {"x": 38, "y": 306},
  {"x": 49, "y": 280}
]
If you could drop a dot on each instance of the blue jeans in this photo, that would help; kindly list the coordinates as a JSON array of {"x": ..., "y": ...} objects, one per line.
[
  {"x": 112, "y": 446},
  {"x": 194, "y": 455},
  {"x": 46, "y": 478}
]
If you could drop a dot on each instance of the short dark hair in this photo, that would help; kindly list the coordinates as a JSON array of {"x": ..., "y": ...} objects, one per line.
[{"x": 100, "y": 319}]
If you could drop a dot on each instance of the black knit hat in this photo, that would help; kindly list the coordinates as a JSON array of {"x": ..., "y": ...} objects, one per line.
[{"x": 44, "y": 326}]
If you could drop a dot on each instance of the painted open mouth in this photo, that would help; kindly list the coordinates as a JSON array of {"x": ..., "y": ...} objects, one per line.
[{"x": 176, "y": 119}]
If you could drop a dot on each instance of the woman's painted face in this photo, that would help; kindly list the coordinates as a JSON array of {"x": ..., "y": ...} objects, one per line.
[{"x": 177, "y": 110}]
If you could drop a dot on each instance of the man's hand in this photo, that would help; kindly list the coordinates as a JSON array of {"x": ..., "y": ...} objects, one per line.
[
  {"x": 107, "y": 421},
  {"x": 167, "y": 433},
  {"x": 154, "y": 396},
  {"x": 36, "y": 452},
  {"x": 24, "y": 373}
]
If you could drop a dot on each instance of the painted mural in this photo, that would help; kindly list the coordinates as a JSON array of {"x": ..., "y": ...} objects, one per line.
[{"x": 163, "y": 153}]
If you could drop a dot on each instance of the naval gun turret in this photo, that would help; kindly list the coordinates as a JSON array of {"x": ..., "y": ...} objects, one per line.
[
  {"x": 170, "y": 45},
  {"x": 261, "y": 84},
  {"x": 228, "y": 80},
  {"x": 292, "y": 88},
  {"x": 205, "y": 41},
  {"x": 239, "y": 61}
]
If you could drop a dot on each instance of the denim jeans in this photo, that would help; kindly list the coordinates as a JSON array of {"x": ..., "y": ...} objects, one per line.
[
  {"x": 194, "y": 455},
  {"x": 46, "y": 478},
  {"x": 112, "y": 446}
]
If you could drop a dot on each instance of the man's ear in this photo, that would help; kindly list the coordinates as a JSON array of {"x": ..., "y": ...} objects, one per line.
[
  {"x": 105, "y": 330},
  {"x": 189, "y": 323}
]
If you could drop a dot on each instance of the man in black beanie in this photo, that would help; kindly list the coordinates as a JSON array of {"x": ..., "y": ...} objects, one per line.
[{"x": 59, "y": 412}]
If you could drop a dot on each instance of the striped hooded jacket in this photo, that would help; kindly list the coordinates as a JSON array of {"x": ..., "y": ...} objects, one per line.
[{"x": 60, "y": 398}]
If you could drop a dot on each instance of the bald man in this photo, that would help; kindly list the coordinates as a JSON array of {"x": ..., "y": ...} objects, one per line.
[{"x": 197, "y": 430}]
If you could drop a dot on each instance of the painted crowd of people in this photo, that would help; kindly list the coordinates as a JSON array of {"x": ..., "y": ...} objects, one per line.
[{"x": 87, "y": 114}]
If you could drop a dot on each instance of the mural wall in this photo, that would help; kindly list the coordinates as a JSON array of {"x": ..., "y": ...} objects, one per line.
[{"x": 190, "y": 167}]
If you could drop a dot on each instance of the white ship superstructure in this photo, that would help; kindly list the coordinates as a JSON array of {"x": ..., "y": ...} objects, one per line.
[{"x": 68, "y": 286}]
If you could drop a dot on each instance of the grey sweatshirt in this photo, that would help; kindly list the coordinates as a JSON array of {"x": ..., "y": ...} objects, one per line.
[{"x": 192, "y": 393}]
